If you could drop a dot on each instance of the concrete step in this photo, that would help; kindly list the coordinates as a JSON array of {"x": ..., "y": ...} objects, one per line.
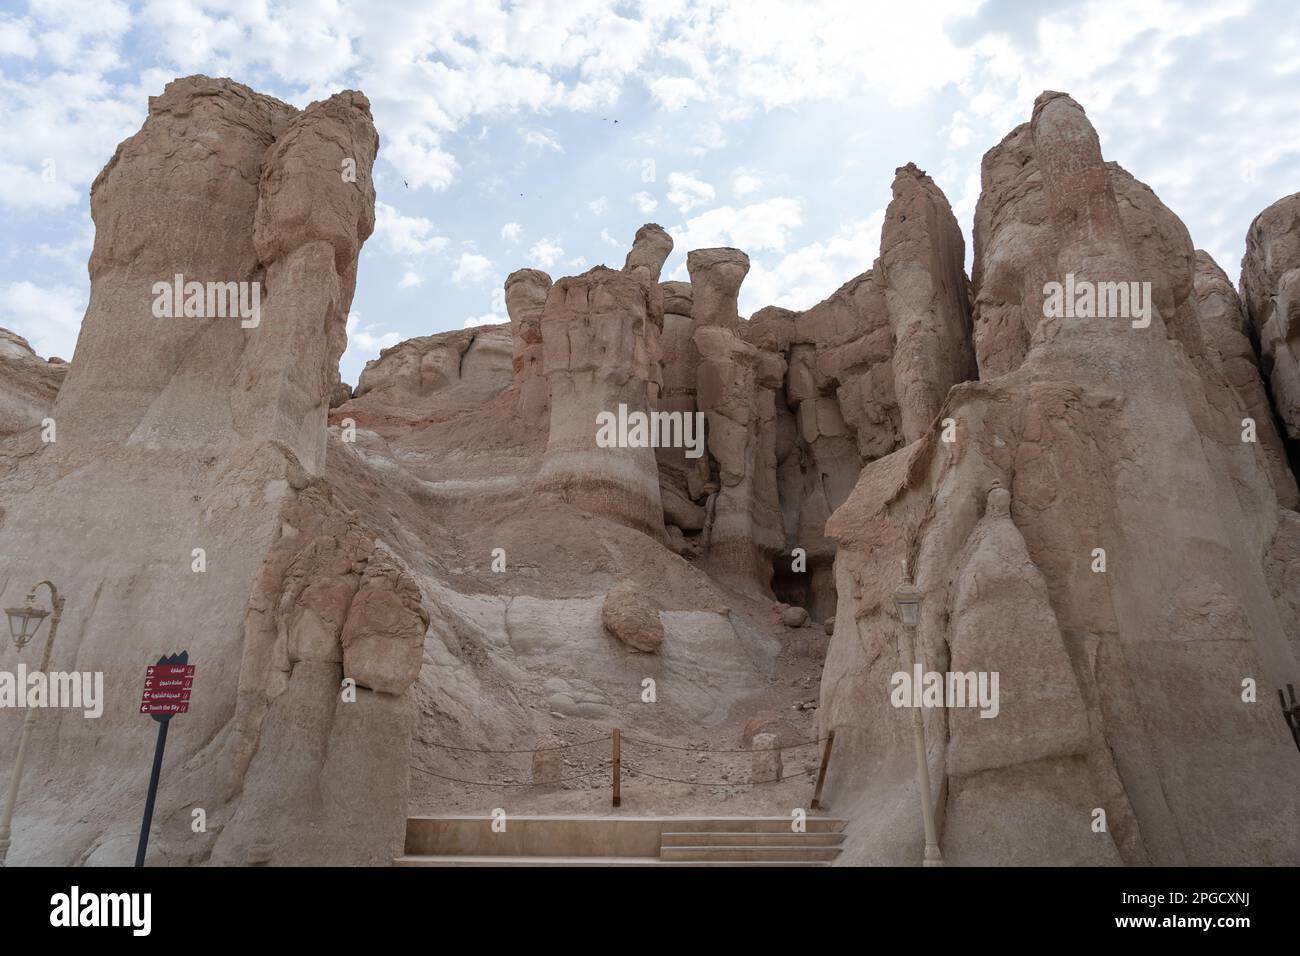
[
  {"x": 702, "y": 838},
  {"x": 748, "y": 824},
  {"x": 560, "y": 837},
  {"x": 731, "y": 854},
  {"x": 549, "y": 861}
]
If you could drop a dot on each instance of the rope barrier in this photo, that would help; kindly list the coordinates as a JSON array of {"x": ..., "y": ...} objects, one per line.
[
  {"x": 534, "y": 750},
  {"x": 625, "y": 769},
  {"x": 723, "y": 783},
  {"x": 699, "y": 750},
  {"x": 490, "y": 783}
]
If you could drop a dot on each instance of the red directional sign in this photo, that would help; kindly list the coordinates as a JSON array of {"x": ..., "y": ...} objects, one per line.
[{"x": 167, "y": 689}]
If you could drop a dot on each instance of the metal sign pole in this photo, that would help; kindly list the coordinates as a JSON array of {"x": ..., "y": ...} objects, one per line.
[{"x": 164, "y": 721}]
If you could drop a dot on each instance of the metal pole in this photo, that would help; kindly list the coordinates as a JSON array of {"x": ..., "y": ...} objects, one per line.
[
  {"x": 153, "y": 791},
  {"x": 933, "y": 856},
  {"x": 618, "y": 768},
  {"x": 11, "y": 798}
]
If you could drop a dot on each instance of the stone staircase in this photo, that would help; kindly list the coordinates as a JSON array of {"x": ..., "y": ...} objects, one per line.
[{"x": 621, "y": 841}]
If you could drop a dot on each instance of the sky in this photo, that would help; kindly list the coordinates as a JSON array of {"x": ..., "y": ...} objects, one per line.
[{"x": 542, "y": 134}]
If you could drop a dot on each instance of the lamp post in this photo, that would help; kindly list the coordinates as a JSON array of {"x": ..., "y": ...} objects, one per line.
[
  {"x": 24, "y": 622},
  {"x": 907, "y": 599}
]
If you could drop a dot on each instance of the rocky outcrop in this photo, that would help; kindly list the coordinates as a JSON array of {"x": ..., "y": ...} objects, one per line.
[
  {"x": 1110, "y": 436},
  {"x": 488, "y": 549},
  {"x": 650, "y": 249},
  {"x": 209, "y": 410},
  {"x": 526, "y": 291},
  {"x": 632, "y": 616},
  {"x": 1225, "y": 328},
  {"x": 716, "y": 275},
  {"x": 599, "y": 341},
  {"x": 28, "y": 384},
  {"x": 738, "y": 386},
  {"x": 1270, "y": 289},
  {"x": 476, "y": 362}
]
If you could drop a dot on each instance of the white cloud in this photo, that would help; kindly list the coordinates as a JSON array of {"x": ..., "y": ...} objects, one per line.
[
  {"x": 645, "y": 203},
  {"x": 606, "y": 237},
  {"x": 686, "y": 192},
  {"x": 758, "y": 227},
  {"x": 543, "y": 139},
  {"x": 545, "y": 252},
  {"x": 744, "y": 182},
  {"x": 807, "y": 275},
  {"x": 28, "y": 188},
  {"x": 410, "y": 280},
  {"x": 471, "y": 268},
  {"x": 707, "y": 138},
  {"x": 363, "y": 339},
  {"x": 406, "y": 235},
  {"x": 47, "y": 317},
  {"x": 488, "y": 318},
  {"x": 418, "y": 157},
  {"x": 599, "y": 206},
  {"x": 511, "y": 232}
]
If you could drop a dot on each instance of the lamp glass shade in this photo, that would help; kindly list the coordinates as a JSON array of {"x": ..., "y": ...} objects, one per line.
[
  {"x": 907, "y": 599},
  {"x": 24, "y": 622}
]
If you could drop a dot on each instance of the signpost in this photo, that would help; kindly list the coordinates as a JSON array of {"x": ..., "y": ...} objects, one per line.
[{"x": 167, "y": 687}]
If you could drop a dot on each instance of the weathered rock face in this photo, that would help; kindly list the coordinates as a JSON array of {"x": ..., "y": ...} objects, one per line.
[
  {"x": 476, "y": 362},
  {"x": 526, "y": 292},
  {"x": 925, "y": 292},
  {"x": 716, "y": 275},
  {"x": 28, "y": 384},
  {"x": 868, "y": 370},
  {"x": 475, "y": 560},
  {"x": 737, "y": 391},
  {"x": 1224, "y": 326},
  {"x": 287, "y": 219},
  {"x": 1270, "y": 288},
  {"x": 650, "y": 249},
  {"x": 1111, "y": 438},
  {"x": 632, "y": 616},
  {"x": 682, "y": 479},
  {"x": 217, "y": 422},
  {"x": 599, "y": 344}
]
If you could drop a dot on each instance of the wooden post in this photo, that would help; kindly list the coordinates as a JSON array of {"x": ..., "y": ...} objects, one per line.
[
  {"x": 618, "y": 773},
  {"x": 821, "y": 773}
]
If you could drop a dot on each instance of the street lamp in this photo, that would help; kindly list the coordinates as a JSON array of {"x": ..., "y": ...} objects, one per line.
[
  {"x": 24, "y": 622},
  {"x": 907, "y": 600}
]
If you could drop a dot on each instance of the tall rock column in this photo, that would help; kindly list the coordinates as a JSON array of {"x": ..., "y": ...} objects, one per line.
[
  {"x": 189, "y": 425},
  {"x": 922, "y": 268},
  {"x": 526, "y": 291},
  {"x": 316, "y": 206},
  {"x": 595, "y": 329},
  {"x": 737, "y": 390},
  {"x": 1224, "y": 323},
  {"x": 1111, "y": 432},
  {"x": 1270, "y": 287}
]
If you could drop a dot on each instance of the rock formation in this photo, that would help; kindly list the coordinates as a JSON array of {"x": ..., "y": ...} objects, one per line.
[
  {"x": 598, "y": 341},
  {"x": 632, "y": 507},
  {"x": 214, "y": 423},
  {"x": 1110, "y": 437},
  {"x": 1270, "y": 288},
  {"x": 632, "y": 616},
  {"x": 28, "y": 384},
  {"x": 526, "y": 292}
]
